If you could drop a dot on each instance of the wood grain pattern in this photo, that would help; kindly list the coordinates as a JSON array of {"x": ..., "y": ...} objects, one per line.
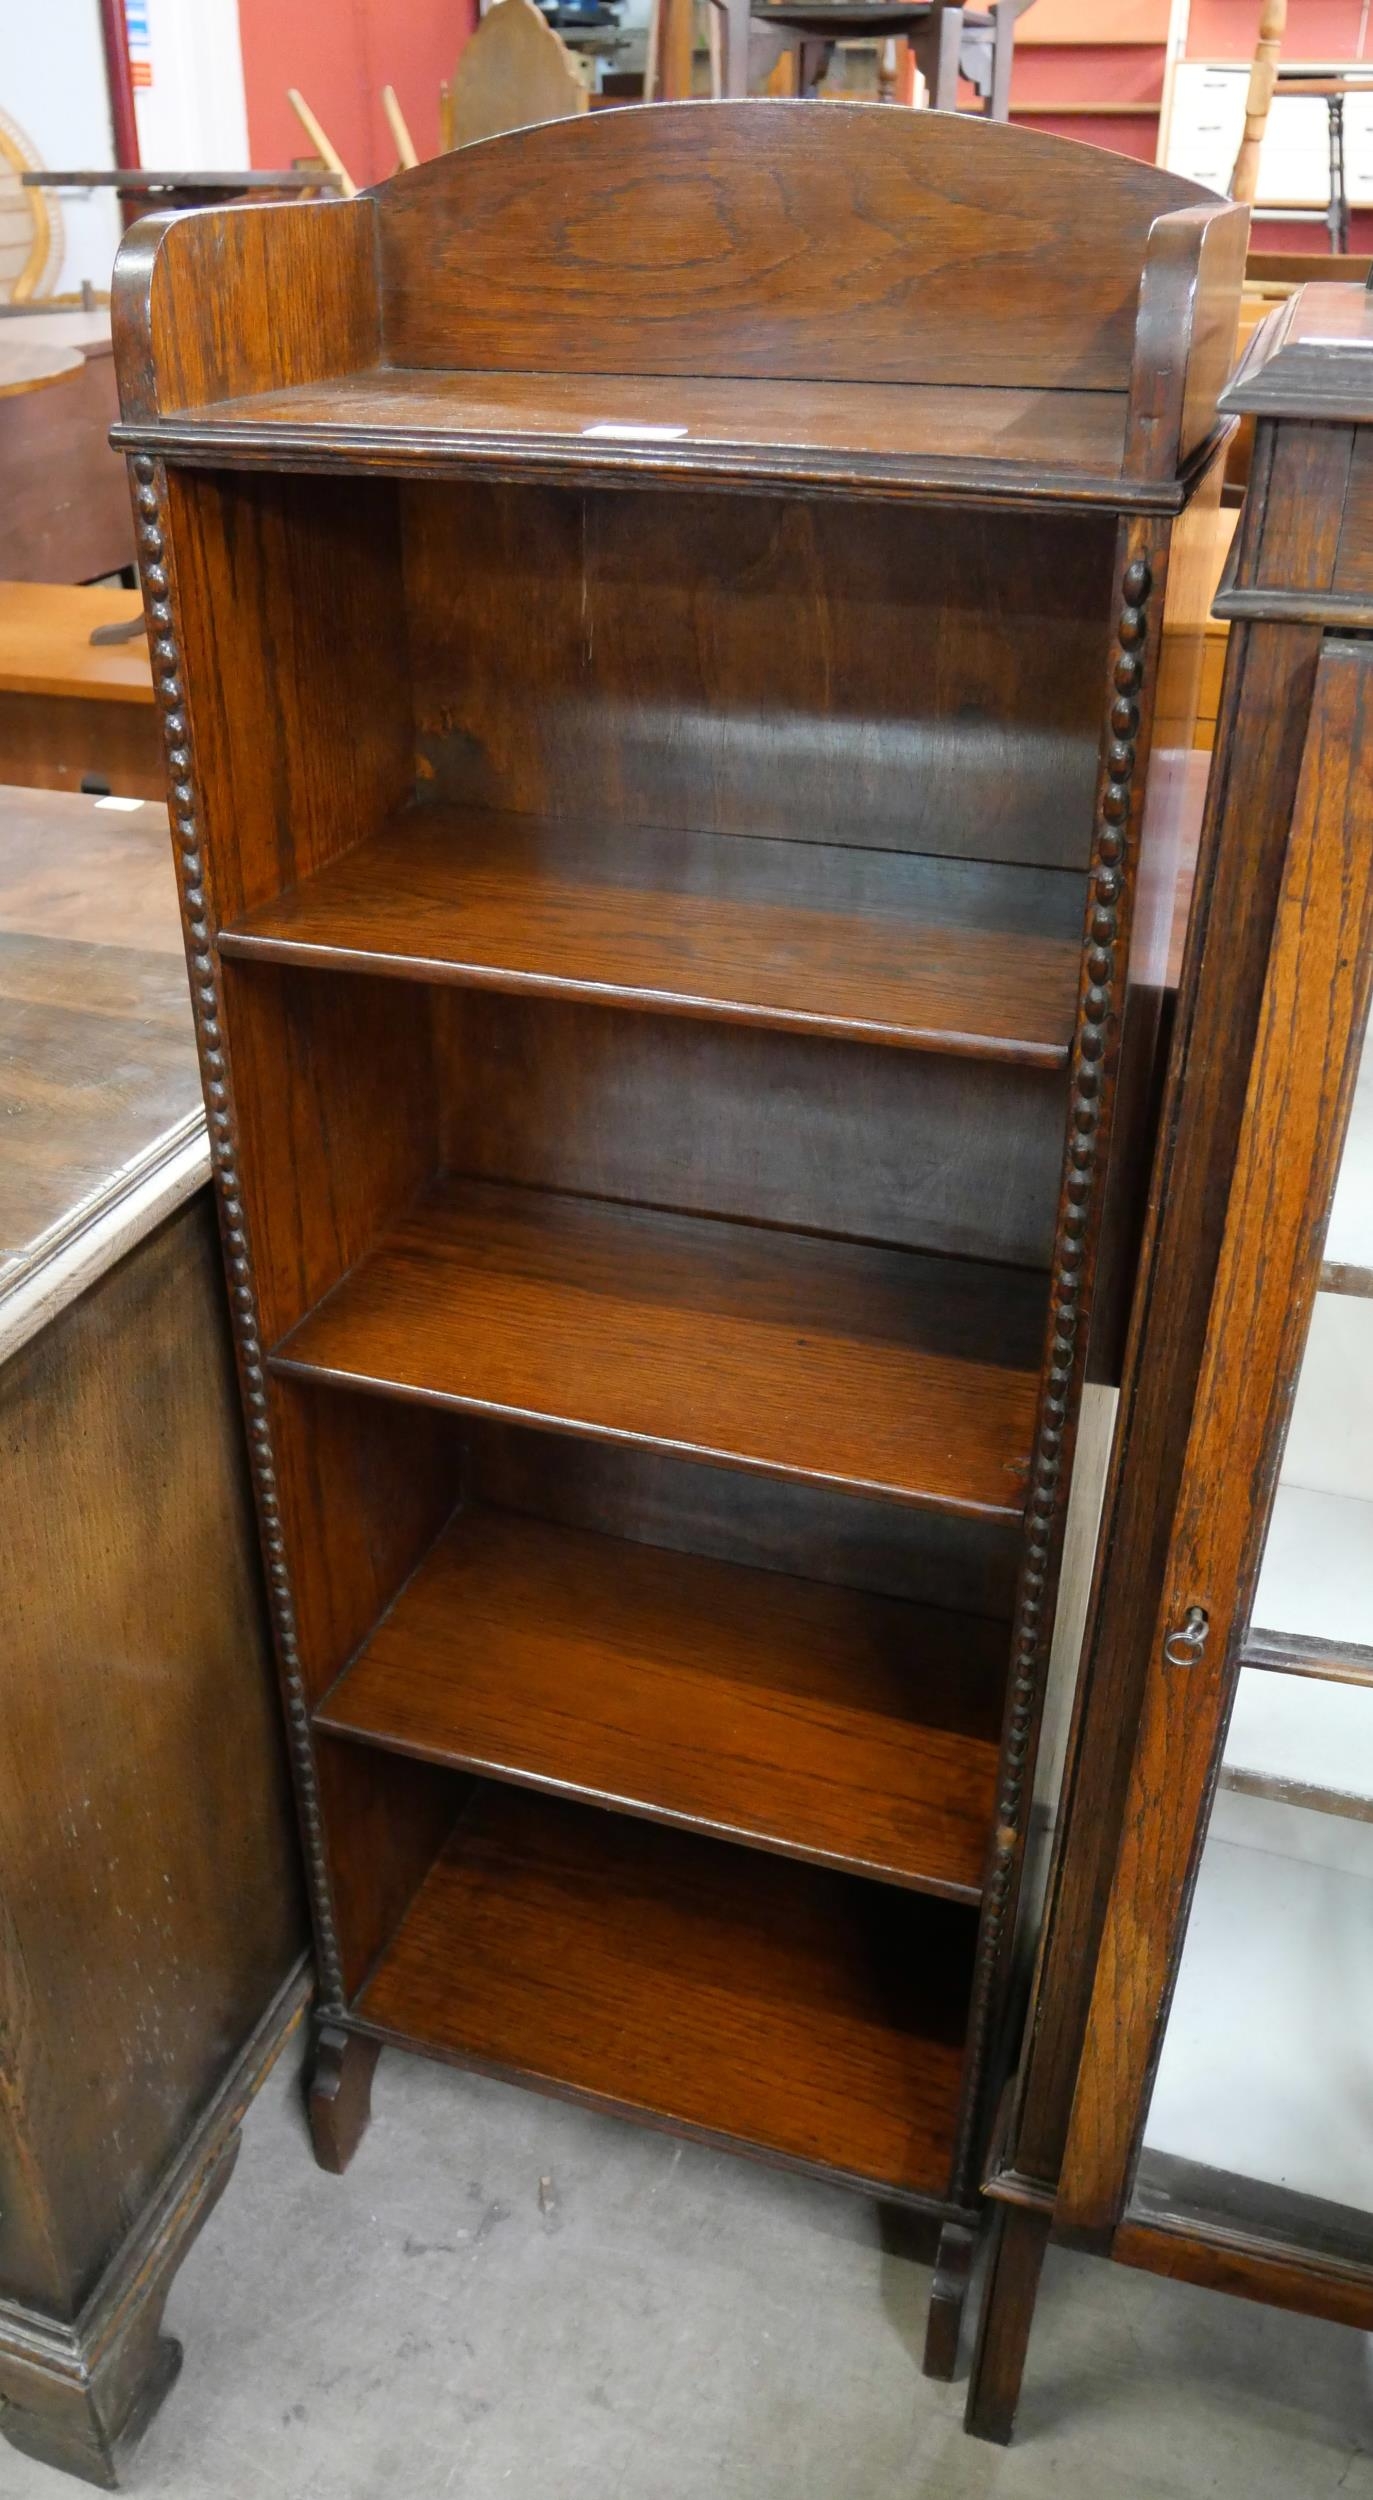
[
  {"x": 1185, "y": 334},
  {"x": 815, "y": 1721},
  {"x": 803, "y": 2016},
  {"x": 900, "y": 680},
  {"x": 817, "y": 219},
  {"x": 322, "y": 578},
  {"x": 1250, "y": 2266},
  {"x": 1309, "y": 360},
  {"x": 52, "y": 742},
  {"x": 1244, "y": 840},
  {"x": 870, "y": 944},
  {"x": 150, "y": 1901},
  {"x": 802, "y": 1357},
  {"x": 891, "y": 439},
  {"x": 581, "y": 1264},
  {"x": 957, "y": 1156},
  {"x": 1315, "y": 1008},
  {"x": 190, "y": 310},
  {"x": 1215, "y": 1155}
]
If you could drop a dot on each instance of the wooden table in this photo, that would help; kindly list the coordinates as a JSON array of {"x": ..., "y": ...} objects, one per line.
[
  {"x": 73, "y": 713},
  {"x": 27, "y": 366},
  {"x": 149, "y": 1894},
  {"x": 160, "y": 189},
  {"x": 64, "y": 513}
]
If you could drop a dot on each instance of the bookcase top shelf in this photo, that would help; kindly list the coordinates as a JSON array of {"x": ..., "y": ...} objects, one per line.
[{"x": 873, "y": 302}]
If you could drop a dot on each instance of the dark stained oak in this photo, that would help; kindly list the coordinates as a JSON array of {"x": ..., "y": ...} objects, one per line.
[
  {"x": 802, "y": 2015},
  {"x": 653, "y": 207},
  {"x": 1274, "y": 999},
  {"x": 712, "y": 563},
  {"x": 820, "y": 1722},
  {"x": 850, "y": 436},
  {"x": 598, "y": 246},
  {"x": 899, "y": 678},
  {"x": 1314, "y": 1013},
  {"x": 926, "y": 1152},
  {"x": 339, "y": 2101},
  {"x": 881, "y": 945},
  {"x": 876, "y": 1368},
  {"x": 150, "y": 1900}
]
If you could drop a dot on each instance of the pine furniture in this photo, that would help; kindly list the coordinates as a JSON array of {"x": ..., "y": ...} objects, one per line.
[
  {"x": 658, "y": 622},
  {"x": 1273, "y": 1008},
  {"x": 76, "y": 713},
  {"x": 150, "y": 1897}
]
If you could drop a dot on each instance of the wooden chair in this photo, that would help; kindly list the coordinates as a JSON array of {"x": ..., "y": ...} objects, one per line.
[
  {"x": 1263, "y": 77},
  {"x": 515, "y": 70},
  {"x": 949, "y": 41}
]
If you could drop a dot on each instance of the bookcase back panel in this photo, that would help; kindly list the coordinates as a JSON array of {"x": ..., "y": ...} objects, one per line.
[
  {"x": 730, "y": 239},
  {"x": 912, "y": 1148},
  {"x": 903, "y": 679},
  {"x": 927, "y": 1557}
]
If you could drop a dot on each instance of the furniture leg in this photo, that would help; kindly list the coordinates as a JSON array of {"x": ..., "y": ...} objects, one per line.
[
  {"x": 812, "y": 61},
  {"x": 1003, "y": 55},
  {"x": 339, "y": 2101},
  {"x": 952, "y": 2268},
  {"x": 937, "y": 54},
  {"x": 736, "y": 47},
  {"x": 80, "y": 2397},
  {"x": 1019, "y": 2240},
  {"x": 1337, "y": 219}
]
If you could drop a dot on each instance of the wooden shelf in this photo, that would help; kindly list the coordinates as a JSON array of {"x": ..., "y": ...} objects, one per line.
[
  {"x": 886, "y": 436},
  {"x": 796, "y": 2013},
  {"x": 886, "y": 946},
  {"x": 800, "y": 1356},
  {"x": 820, "y": 1722}
]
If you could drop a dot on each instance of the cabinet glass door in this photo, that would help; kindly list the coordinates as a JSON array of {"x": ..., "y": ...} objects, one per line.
[{"x": 1260, "y": 2114}]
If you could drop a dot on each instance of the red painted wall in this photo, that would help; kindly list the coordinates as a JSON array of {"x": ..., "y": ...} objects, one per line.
[
  {"x": 1317, "y": 30},
  {"x": 1087, "y": 52},
  {"x": 341, "y": 53}
]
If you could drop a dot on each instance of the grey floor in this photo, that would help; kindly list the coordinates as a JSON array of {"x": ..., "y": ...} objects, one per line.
[{"x": 506, "y": 2299}]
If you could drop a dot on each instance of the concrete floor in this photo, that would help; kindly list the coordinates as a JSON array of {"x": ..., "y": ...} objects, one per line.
[{"x": 671, "y": 2324}]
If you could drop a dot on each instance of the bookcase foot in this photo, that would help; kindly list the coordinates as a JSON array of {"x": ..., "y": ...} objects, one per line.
[
  {"x": 952, "y": 2267},
  {"x": 1019, "y": 2240},
  {"x": 339, "y": 2102}
]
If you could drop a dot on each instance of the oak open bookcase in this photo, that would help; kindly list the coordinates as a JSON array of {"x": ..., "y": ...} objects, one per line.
[{"x": 658, "y": 620}]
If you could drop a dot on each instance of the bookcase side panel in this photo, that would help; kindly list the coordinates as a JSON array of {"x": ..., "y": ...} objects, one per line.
[
  {"x": 290, "y": 641},
  {"x": 279, "y": 655}
]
